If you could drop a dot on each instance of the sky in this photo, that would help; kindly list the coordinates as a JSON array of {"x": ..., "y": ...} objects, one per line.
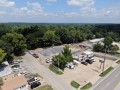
[{"x": 60, "y": 11}]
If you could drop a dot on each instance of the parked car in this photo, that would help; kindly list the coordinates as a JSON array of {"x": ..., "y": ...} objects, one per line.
[
  {"x": 89, "y": 61},
  {"x": 70, "y": 65},
  {"x": 35, "y": 84},
  {"x": 35, "y": 55},
  {"x": 33, "y": 79},
  {"x": 16, "y": 67},
  {"x": 85, "y": 63},
  {"x": 31, "y": 52},
  {"x": 48, "y": 60}
]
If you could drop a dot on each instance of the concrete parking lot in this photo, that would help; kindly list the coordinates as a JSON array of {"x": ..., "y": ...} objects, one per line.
[{"x": 83, "y": 74}]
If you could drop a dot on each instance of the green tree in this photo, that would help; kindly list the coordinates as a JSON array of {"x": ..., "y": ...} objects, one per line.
[
  {"x": 108, "y": 41},
  {"x": 17, "y": 41},
  {"x": 59, "y": 61},
  {"x": 51, "y": 39},
  {"x": 67, "y": 53},
  {"x": 114, "y": 49},
  {"x": 62, "y": 59},
  {"x": 2, "y": 55},
  {"x": 7, "y": 47},
  {"x": 98, "y": 47}
]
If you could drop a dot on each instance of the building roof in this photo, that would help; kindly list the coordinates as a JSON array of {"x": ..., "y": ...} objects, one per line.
[
  {"x": 88, "y": 52},
  {"x": 5, "y": 69},
  {"x": 14, "y": 83},
  {"x": 96, "y": 40}
]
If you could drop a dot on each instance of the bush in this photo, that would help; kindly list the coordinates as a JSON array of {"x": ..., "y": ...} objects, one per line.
[
  {"x": 87, "y": 86},
  {"x": 46, "y": 87},
  {"x": 75, "y": 84},
  {"x": 106, "y": 72},
  {"x": 55, "y": 70}
]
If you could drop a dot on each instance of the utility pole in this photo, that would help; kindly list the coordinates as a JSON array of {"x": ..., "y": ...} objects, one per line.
[
  {"x": 58, "y": 65},
  {"x": 104, "y": 59}
]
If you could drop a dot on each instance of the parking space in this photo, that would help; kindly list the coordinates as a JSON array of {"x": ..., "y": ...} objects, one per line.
[
  {"x": 21, "y": 67},
  {"x": 86, "y": 73}
]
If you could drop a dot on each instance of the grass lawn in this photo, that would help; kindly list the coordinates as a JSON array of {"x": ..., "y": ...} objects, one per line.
[
  {"x": 16, "y": 57},
  {"x": 55, "y": 70},
  {"x": 106, "y": 72},
  {"x": 87, "y": 86},
  {"x": 46, "y": 87},
  {"x": 117, "y": 55},
  {"x": 118, "y": 62},
  {"x": 75, "y": 84}
]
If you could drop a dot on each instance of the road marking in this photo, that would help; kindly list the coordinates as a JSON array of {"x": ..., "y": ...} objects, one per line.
[
  {"x": 105, "y": 77},
  {"x": 118, "y": 85}
]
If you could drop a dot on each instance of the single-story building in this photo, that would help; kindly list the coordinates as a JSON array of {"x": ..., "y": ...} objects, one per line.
[
  {"x": 15, "y": 83},
  {"x": 5, "y": 69}
]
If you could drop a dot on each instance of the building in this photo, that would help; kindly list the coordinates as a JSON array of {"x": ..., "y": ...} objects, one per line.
[
  {"x": 5, "y": 69},
  {"x": 95, "y": 41},
  {"x": 12, "y": 82}
]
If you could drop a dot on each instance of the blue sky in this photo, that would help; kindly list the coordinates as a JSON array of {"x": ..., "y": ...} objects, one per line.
[{"x": 60, "y": 11}]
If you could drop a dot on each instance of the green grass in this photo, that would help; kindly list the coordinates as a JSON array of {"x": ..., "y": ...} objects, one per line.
[
  {"x": 87, "y": 86},
  {"x": 75, "y": 84},
  {"x": 1, "y": 80},
  {"x": 46, "y": 87},
  {"x": 117, "y": 55},
  {"x": 16, "y": 57},
  {"x": 55, "y": 70},
  {"x": 106, "y": 72},
  {"x": 118, "y": 62}
]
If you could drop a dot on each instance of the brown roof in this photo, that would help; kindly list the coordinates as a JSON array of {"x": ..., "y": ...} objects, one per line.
[{"x": 14, "y": 83}]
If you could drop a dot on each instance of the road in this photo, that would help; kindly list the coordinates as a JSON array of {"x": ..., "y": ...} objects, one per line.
[
  {"x": 111, "y": 82},
  {"x": 49, "y": 76}
]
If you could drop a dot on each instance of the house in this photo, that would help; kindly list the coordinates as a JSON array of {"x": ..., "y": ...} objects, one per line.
[{"x": 12, "y": 82}]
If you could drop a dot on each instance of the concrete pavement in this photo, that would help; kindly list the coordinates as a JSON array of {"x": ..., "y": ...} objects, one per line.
[
  {"x": 110, "y": 82},
  {"x": 49, "y": 76}
]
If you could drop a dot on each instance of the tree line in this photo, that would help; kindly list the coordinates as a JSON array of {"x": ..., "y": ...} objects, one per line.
[{"x": 16, "y": 38}]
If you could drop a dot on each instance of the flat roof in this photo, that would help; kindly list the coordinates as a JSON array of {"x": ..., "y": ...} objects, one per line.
[
  {"x": 96, "y": 40},
  {"x": 14, "y": 83},
  {"x": 5, "y": 69},
  {"x": 88, "y": 52}
]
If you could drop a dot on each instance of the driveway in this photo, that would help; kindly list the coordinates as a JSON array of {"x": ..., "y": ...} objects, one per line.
[{"x": 49, "y": 76}]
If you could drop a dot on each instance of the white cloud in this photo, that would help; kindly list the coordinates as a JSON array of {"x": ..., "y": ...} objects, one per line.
[
  {"x": 51, "y": 0},
  {"x": 35, "y": 6},
  {"x": 80, "y": 2},
  {"x": 6, "y": 3},
  {"x": 2, "y": 12}
]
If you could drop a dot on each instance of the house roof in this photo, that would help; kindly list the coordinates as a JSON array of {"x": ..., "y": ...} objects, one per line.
[{"x": 14, "y": 83}]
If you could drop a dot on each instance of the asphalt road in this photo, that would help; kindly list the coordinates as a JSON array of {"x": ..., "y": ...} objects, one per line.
[
  {"x": 111, "y": 82},
  {"x": 49, "y": 76}
]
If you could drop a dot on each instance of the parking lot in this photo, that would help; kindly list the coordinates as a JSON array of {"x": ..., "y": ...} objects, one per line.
[
  {"x": 83, "y": 74},
  {"x": 21, "y": 67}
]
